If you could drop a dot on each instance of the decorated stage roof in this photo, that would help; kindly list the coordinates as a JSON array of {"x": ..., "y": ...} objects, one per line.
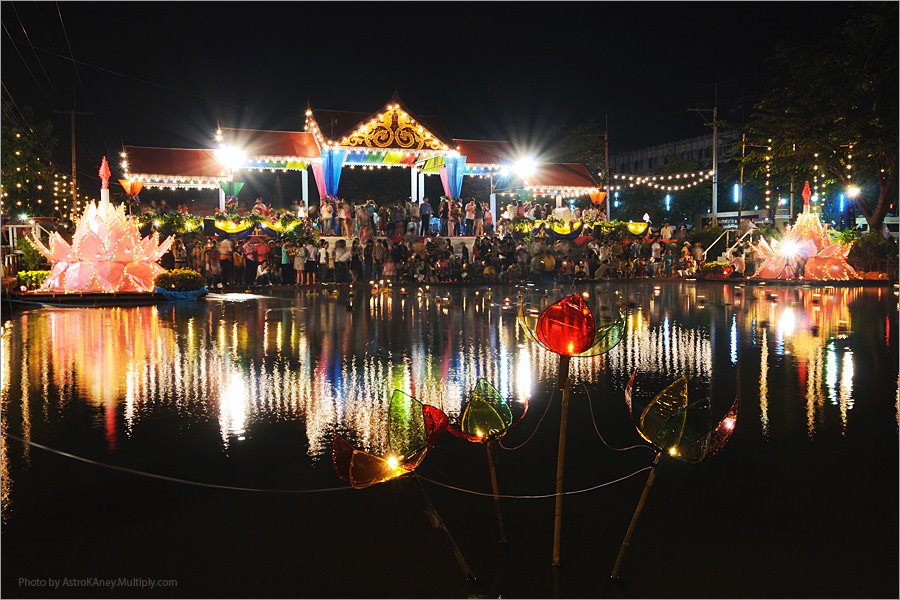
[
  {"x": 174, "y": 167},
  {"x": 273, "y": 145},
  {"x": 561, "y": 178},
  {"x": 394, "y": 127},
  {"x": 486, "y": 152}
]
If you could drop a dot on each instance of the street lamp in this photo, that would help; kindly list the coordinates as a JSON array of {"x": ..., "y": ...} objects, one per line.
[{"x": 853, "y": 191}]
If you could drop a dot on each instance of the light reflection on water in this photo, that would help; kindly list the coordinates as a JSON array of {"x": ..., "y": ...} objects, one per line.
[{"x": 308, "y": 359}]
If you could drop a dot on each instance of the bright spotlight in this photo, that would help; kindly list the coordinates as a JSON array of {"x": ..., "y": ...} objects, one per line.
[
  {"x": 525, "y": 166},
  {"x": 504, "y": 171},
  {"x": 790, "y": 249},
  {"x": 853, "y": 191},
  {"x": 231, "y": 157}
]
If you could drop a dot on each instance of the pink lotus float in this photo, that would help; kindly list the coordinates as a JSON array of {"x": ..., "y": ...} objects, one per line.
[
  {"x": 807, "y": 241},
  {"x": 107, "y": 253}
]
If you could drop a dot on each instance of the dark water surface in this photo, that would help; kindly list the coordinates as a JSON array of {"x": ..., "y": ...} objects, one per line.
[{"x": 248, "y": 391}]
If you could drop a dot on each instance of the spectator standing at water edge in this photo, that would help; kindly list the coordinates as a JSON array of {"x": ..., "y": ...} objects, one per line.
[
  {"x": 635, "y": 249},
  {"x": 213, "y": 266},
  {"x": 225, "y": 249},
  {"x": 355, "y": 261},
  {"x": 379, "y": 253},
  {"x": 326, "y": 264},
  {"x": 287, "y": 268},
  {"x": 237, "y": 257},
  {"x": 197, "y": 257},
  {"x": 312, "y": 262},
  {"x": 697, "y": 252},
  {"x": 250, "y": 261},
  {"x": 263, "y": 252},
  {"x": 341, "y": 262},
  {"x": 179, "y": 252},
  {"x": 368, "y": 259},
  {"x": 300, "y": 263}
]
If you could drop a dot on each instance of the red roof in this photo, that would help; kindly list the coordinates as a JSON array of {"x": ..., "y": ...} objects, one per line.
[
  {"x": 176, "y": 162},
  {"x": 261, "y": 142},
  {"x": 485, "y": 152},
  {"x": 559, "y": 175}
]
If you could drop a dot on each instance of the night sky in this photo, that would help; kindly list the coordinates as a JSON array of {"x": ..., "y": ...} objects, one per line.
[{"x": 163, "y": 74}]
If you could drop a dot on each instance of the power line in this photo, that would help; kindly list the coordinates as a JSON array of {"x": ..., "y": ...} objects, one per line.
[
  {"x": 71, "y": 54},
  {"x": 25, "y": 62},
  {"x": 33, "y": 51},
  {"x": 138, "y": 79}
]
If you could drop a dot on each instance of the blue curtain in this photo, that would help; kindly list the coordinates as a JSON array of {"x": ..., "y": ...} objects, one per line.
[
  {"x": 456, "y": 169},
  {"x": 332, "y": 162}
]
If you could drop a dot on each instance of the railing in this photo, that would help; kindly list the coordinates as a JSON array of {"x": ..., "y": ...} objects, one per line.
[{"x": 725, "y": 234}]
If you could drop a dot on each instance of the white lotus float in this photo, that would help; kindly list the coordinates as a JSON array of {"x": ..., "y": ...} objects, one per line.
[{"x": 107, "y": 253}]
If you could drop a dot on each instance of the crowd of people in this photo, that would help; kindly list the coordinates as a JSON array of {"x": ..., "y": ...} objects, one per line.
[
  {"x": 451, "y": 218},
  {"x": 412, "y": 258}
]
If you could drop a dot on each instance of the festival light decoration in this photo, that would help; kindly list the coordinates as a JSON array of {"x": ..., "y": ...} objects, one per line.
[
  {"x": 673, "y": 182},
  {"x": 486, "y": 418},
  {"x": 679, "y": 429},
  {"x": 412, "y": 430},
  {"x": 568, "y": 329},
  {"x": 107, "y": 253},
  {"x": 807, "y": 240}
]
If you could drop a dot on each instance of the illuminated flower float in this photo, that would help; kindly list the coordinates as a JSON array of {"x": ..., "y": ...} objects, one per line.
[
  {"x": 568, "y": 328},
  {"x": 107, "y": 253},
  {"x": 806, "y": 241},
  {"x": 678, "y": 429}
]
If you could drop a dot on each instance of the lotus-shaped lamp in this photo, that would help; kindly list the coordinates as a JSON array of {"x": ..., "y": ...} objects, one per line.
[{"x": 412, "y": 430}]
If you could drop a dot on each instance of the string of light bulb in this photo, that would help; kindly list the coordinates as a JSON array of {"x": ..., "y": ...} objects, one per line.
[{"x": 673, "y": 182}]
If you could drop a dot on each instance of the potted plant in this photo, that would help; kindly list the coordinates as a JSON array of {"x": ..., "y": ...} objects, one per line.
[{"x": 181, "y": 284}]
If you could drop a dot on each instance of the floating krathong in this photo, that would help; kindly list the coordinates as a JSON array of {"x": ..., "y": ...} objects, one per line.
[
  {"x": 107, "y": 253},
  {"x": 669, "y": 424},
  {"x": 412, "y": 430},
  {"x": 807, "y": 241}
]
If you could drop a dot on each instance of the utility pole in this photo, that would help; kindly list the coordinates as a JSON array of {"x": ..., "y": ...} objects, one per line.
[
  {"x": 741, "y": 178},
  {"x": 606, "y": 169},
  {"x": 791, "y": 213},
  {"x": 715, "y": 127},
  {"x": 74, "y": 163}
]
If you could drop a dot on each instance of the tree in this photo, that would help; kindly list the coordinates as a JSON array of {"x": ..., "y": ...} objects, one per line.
[
  {"x": 832, "y": 104},
  {"x": 30, "y": 184},
  {"x": 584, "y": 144}
]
